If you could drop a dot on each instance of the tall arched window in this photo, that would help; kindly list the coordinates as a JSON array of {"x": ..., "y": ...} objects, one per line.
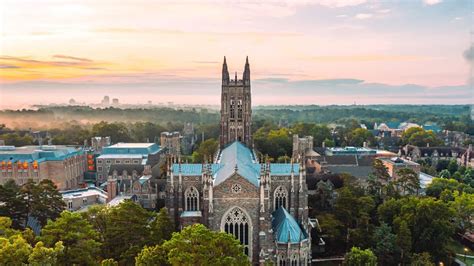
[
  {"x": 294, "y": 260},
  {"x": 237, "y": 223},
  {"x": 281, "y": 260},
  {"x": 280, "y": 197},
  {"x": 191, "y": 199}
]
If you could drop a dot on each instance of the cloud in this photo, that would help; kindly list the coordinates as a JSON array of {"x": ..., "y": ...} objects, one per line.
[
  {"x": 363, "y": 16},
  {"x": 341, "y": 16},
  {"x": 469, "y": 54},
  {"x": 384, "y": 11},
  {"x": 366, "y": 58},
  {"x": 8, "y": 67},
  {"x": 72, "y": 58},
  {"x": 432, "y": 2},
  {"x": 339, "y": 3}
]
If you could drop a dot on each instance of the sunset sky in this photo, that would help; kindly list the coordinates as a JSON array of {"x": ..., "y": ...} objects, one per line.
[{"x": 300, "y": 52}]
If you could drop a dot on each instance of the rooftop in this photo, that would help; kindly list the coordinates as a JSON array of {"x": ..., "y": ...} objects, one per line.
[
  {"x": 84, "y": 192},
  {"x": 286, "y": 228},
  {"x": 132, "y": 148},
  {"x": 235, "y": 157},
  {"x": 38, "y": 153}
]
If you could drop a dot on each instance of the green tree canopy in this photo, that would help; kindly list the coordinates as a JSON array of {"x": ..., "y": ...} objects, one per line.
[
  {"x": 360, "y": 257},
  {"x": 77, "y": 235}
]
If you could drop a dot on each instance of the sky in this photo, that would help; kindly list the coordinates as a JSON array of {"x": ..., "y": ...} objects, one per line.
[{"x": 300, "y": 51}]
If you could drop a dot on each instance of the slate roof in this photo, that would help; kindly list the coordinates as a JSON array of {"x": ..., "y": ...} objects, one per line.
[
  {"x": 132, "y": 148},
  {"x": 128, "y": 167},
  {"x": 286, "y": 229}
]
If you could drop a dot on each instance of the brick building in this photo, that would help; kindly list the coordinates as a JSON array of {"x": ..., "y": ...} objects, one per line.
[{"x": 64, "y": 165}]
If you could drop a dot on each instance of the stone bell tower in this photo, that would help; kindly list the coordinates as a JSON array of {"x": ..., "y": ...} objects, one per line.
[{"x": 236, "y": 107}]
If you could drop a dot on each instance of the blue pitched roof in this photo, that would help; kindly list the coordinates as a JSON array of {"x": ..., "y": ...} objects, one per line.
[
  {"x": 286, "y": 228},
  {"x": 236, "y": 154}
]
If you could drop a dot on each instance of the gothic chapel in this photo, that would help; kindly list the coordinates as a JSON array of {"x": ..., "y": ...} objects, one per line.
[{"x": 264, "y": 205}]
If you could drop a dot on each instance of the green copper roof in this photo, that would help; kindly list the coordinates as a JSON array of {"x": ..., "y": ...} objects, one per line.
[
  {"x": 236, "y": 157},
  {"x": 286, "y": 228}
]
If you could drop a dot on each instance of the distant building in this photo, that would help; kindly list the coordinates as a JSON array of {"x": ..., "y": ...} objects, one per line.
[
  {"x": 81, "y": 199},
  {"x": 395, "y": 164},
  {"x": 171, "y": 141},
  {"x": 415, "y": 153},
  {"x": 105, "y": 101},
  {"x": 97, "y": 143},
  {"x": 72, "y": 102},
  {"x": 64, "y": 165},
  {"x": 359, "y": 151},
  {"x": 132, "y": 154},
  {"x": 303, "y": 147},
  {"x": 189, "y": 138},
  {"x": 115, "y": 101}
]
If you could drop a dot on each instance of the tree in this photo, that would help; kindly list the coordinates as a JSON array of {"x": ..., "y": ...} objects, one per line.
[
  {"x": 14, "y": 250},
  {"x": 47, "y": 201},
  {"x": 463, "y": 206},
  {"x": 408, "y": 181},
  {"x": 161, "y": 228},
  {"x": 438, "y": 185},
  {"x": 452, "y": 167},
  {"x": 14, "y": 204},
  {"x": 77, "y": 235},
  {"x": 118, "y": 132},
  {"x": 197, "y": 245},
  {"x": 422, "y": 259},
  {"x": 430, "y": 222},
  {"x": 419, "y": 137},
  {"x": 358, "y": 136},
  {"x": 109, "y": 262},
  {"x": 127, "y": 231},
  {"x": 385, "y": 245},
  {"x": 151, "y": 256},
  {"x": 207, "y": 149},
  {"x": 360, "y": 257},
  {"x": 380, "y": 171},
  {"x": 41, "y": 255},
  {"x": 404, "y": 241}
]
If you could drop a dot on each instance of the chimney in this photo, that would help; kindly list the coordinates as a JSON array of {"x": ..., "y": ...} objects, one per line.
[
  {"x": 111, "y": 189},
  {"x": 364, "y": 144},
  {"x": 428, "y": 144}
]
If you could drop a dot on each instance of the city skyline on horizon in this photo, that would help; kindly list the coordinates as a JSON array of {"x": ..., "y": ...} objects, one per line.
[{"x": 301, "y": 52}]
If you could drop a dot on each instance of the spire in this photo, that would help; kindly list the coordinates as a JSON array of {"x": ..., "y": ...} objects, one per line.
[
  {"x": 235, "y": 77},
  {"x": 225, "y": 72},
  {"x": 246, "y": 77}
]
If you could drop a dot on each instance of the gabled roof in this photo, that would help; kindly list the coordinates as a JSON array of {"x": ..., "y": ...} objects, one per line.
[
  {"x": 238, "y": 158},
  {"x": 286, "y": 228}
]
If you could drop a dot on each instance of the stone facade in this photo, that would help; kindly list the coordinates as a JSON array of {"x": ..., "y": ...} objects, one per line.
[
  {"x": 172, "y": 142},
  {"x": 236, "y": 107},
  {"x": 263, "y": 205}
]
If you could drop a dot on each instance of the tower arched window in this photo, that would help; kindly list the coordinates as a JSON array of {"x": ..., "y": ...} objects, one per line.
[
  {"x": 294, "y": 260},
  {"x": 281, "y": 260},
  {"x": 237, "y": 223},
  {"x": 191, "y": 199},
  {"x": 280, "y": 197}
]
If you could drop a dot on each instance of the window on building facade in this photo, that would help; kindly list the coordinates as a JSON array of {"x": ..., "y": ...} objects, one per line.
[
  {"x": 280, "y": 196},
  {"x": 294, "y": 260},
  {"x": 191, "y": 199},
  {"x": 69, "y": 205},
  {"x": 236, "y": 223},
  {"x": 281, "y": 260}
]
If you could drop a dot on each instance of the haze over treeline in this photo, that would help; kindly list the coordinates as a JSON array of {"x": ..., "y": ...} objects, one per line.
[{"x": 57, "y": 117}]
